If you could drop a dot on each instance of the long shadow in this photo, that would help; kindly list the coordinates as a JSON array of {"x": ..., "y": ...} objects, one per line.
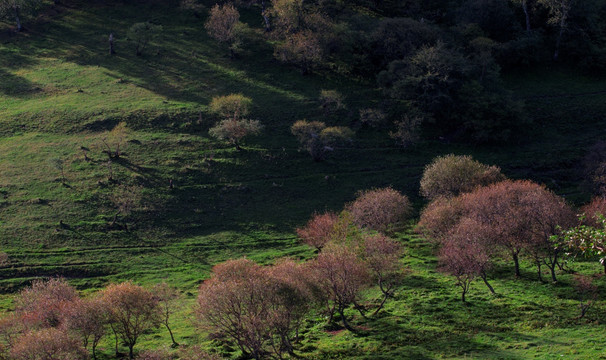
[
  {"x": 16, "y": 86},
  {"x": 180, "y": 66},
  {"x": 449, "y": 332}
]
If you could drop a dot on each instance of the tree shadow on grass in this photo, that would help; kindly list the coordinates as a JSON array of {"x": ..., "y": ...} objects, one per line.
[
  {"x": 185, "y": 65},
  {"x": 458, "y": 330},
  {"x": 16, "y": 86}
]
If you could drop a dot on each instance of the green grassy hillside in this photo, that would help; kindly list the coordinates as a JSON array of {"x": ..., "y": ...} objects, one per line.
[{"x": 61, "y": 92}]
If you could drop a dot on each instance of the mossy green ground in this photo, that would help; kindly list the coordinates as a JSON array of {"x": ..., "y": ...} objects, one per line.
[{"x": 60, "y": 91}]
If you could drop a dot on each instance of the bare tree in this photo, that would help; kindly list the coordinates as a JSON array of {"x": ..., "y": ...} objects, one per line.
[
  {"x": 141, "y": 34},
  {"x": 168, "y": 300},
  {"x": 125, "y": 199},
  {"x": 382, "y": 255}
]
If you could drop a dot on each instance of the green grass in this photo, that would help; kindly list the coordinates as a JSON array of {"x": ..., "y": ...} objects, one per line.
[{"x": 61, "y": 91}]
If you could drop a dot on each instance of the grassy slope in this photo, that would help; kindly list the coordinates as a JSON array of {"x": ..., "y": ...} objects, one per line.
[{"x": 60, "y": 91}]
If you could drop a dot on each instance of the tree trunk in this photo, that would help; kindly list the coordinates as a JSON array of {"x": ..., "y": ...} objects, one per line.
[
  {"x": 18, "y": 19},
  {"x": 115, "y": 219},
  {"x": 172, "y": 337},
  {"x": 463, "y": 294},
  {"x": 344, "y": 320},
  {"x": 331, "y": 312},
  {"x": 526, "y": 14},
  {"x": 265, "y": 17},
  {"x": 484, "y": 278},
  {"x": 111, "y": 44},
  {"x": 552, "y": 262},
  {"x": 516, "y": 263},
  {"x": 360, "y": 310},
  {"x": 553, "y": 274},
  {"x": 131, "y": 354},
  {"x": 116, "y": 338},
  {"x": 539, "y": 272},
  {"x": 380, "y": 305}
]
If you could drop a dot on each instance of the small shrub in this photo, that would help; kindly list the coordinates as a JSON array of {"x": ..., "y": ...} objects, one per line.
[
  {"x": 232, "y": 106},
  {"x": 331, "y": 101},
  {"x": 47, "y": 344},
  {"x": 587, "y": 291},
  {"x": 407, "y": 130},
  {"x": 318, "y": 139},
  {"x": 302, "y": 49},
  {"x": 141, "y": 34},
  {"x": 372, "y": 117}
]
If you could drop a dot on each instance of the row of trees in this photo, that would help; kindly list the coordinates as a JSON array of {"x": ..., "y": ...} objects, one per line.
[
  {"x": 259, "y": 308},
  {"x": 51, "y": 321},
  {"x": 262, "y": 308},
  {"x": 477, "y": 216}
]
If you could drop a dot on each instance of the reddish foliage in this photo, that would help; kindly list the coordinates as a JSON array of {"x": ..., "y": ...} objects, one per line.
[
  {"x": 588, "y": 292},
  {"x": 382, "y": 255},
  {"x": 594, "y": 211},
  {"x": 233, "y": 304},
  {"x": 520, "y": 215},
  {"x": 292, "y": 297},
  {"x": 319, "y": 229},
  {"x": 342, "y": 275},
  {"x": 260, "y": 308},
  {"x": 439, "y": 217},
  {"x": 168, "y": 300},
  {"x": 89, "y": 319},
  {"x": 132, "y": 311},
  {"x": 45, "y": 302},
  {"x": 515, "y": 215},
  {"x": 380, "y": 209},
  {"x": 48, "y": 344},
  {"x": 11, "y": 327},
  {"x": 466, "y": 254}
]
